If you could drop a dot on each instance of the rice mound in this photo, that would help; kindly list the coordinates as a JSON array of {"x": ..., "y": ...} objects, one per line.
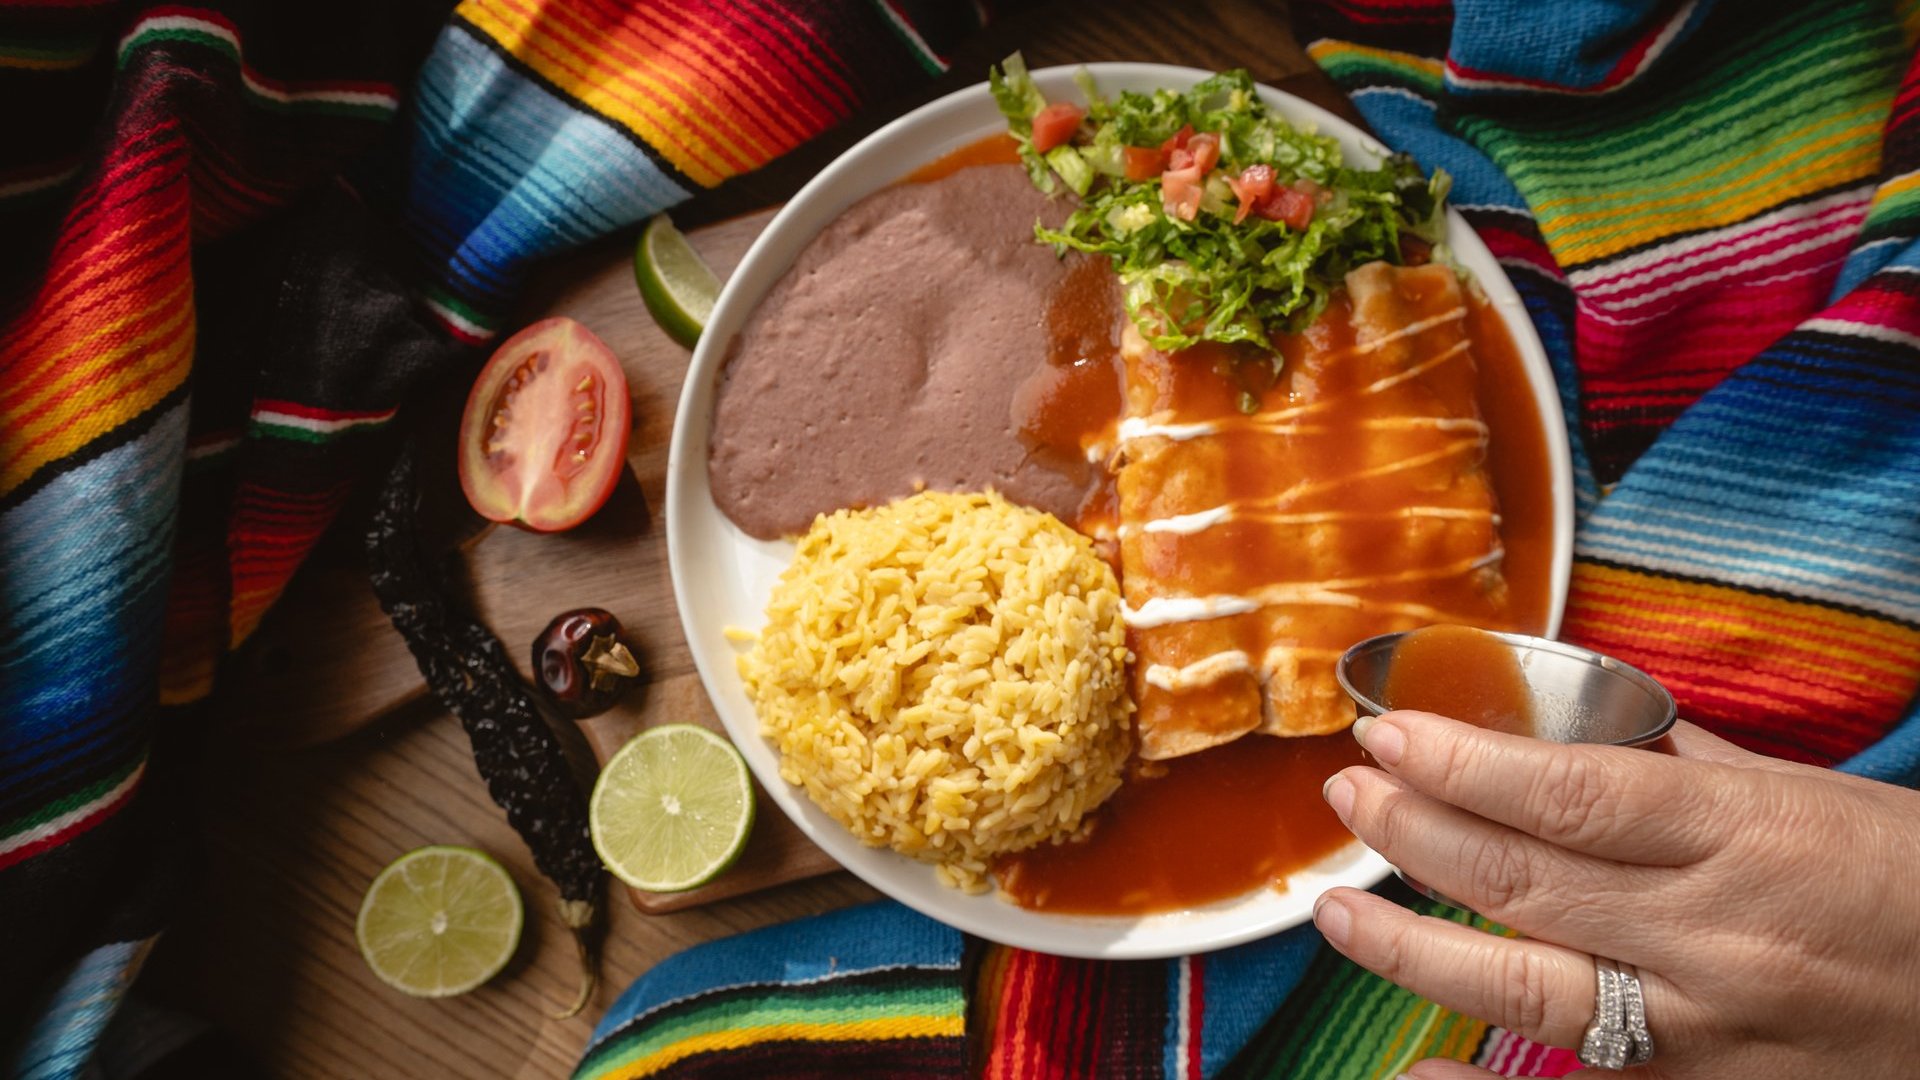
[{"x": 946, "y": 676}]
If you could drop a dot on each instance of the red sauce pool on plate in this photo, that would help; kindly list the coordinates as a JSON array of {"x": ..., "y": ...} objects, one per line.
[{"x": 1217, "y": 824}]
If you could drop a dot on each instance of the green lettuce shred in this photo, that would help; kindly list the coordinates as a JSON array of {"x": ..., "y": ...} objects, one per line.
[{"x": 1209, "y": 279}]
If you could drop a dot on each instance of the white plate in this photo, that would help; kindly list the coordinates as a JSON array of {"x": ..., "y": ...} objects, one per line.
[{"x": 722, "y": 577}]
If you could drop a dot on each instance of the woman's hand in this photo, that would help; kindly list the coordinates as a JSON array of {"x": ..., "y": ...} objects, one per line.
[{"x": 1772, "y": 909}]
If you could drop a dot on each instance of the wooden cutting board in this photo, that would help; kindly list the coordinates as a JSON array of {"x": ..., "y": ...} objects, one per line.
[{"x": 329, "y": 662}]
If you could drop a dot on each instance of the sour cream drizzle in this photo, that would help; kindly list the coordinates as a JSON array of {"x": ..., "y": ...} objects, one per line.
[
  {"x": 1211, "y": 669},
  {"x": 1409, "y": 330},
  {"x": 1201, "y": 672},
  {"x": 1276, "y": 423},
  {"x": 1416, "y": 370},
  {"x": 1165, "y": 610},
  {"x": 1238, "y": 510}
]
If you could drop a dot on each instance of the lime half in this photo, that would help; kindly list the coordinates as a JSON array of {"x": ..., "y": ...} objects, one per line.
[
  {"x": 440, "y": 921},
  {"x": 678, "y": 287},
  {"x": 672, "y": 809}
]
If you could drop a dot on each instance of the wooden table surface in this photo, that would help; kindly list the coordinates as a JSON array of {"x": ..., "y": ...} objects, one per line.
[{"x": 264, "y": 948}]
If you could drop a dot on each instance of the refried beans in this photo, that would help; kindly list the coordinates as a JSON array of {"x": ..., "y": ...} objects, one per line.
[{"x": 907, "y": 348}]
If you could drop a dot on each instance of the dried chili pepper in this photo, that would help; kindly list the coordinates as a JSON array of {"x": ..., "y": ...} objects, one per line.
[
  {"x": 583, "y": 663},
  {"x": 468, "y": 671}
]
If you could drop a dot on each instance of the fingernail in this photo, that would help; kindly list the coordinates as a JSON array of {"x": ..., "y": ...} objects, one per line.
[
  {"x": 1333, "y": 919},
  {"x": 1338, "y": 791},
  {"x": 1385, "y": 742},
  {"x": 1360, "y": 727}
]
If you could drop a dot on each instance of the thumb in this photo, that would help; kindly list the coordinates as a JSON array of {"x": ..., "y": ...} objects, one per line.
[{"x": 1698, "y": 744}]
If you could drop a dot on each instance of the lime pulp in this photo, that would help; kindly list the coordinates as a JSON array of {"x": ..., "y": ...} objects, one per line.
[
  {"x": 672, "y": 809},
  {"x": 439, "y": 921},
  {"x": 678, "y": 287}
]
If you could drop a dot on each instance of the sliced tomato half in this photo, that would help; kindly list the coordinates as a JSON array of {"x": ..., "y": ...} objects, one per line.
[{"x": 544, "y": 436}]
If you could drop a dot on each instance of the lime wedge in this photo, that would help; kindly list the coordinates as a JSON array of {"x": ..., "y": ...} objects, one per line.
[
  {"x": 672, "y": 809},
  {"x": 439, "y": 921},
  {"x": 678, "y": 287}
]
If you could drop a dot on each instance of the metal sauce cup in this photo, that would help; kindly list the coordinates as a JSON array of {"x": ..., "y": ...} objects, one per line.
[{"x": 1579, "y": 696}]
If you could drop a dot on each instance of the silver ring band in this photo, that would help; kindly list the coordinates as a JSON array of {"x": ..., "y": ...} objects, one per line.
[{"x": 1618, "y": 1037}]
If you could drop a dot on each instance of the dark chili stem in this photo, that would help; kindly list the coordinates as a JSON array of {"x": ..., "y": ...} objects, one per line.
[{"x": 469, "y": 673}]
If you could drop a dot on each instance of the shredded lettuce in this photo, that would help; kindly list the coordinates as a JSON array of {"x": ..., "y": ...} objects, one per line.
[
  {"x": 1019, "y": 100},
  {"x": 1209, "y": 279}
]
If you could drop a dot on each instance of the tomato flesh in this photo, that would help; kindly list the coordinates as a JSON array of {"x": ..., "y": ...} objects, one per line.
[
  {"x": 1289, "y": 205},
  {"x": 1181, "y": 191},
  {"x": 1205, "y": 149},
  {"x": 1253, "y": 184},
  {"x": 1055, "y": 124},
  {"x": 1143, "y": 162},
  {"x": 543, "y": 439}
]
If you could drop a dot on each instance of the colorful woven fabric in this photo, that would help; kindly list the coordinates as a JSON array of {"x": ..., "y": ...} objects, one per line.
[
  {"x": 1720, "y": 259},
  {"x": 204, "y": 331},
  {"x": 1714, "y": 241},
  {"x": 132, "y": 554},
  {"x": 1760, "y": 558},
  {"x": 873, "y": 991},
  {"x": 1707, "y": 207},
  {"x": 538, "y": 127}
]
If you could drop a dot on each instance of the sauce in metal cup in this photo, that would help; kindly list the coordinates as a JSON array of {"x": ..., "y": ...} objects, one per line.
[
  {"x": 1576, "y": 695},
  {"x": 1562, "y": 693}
]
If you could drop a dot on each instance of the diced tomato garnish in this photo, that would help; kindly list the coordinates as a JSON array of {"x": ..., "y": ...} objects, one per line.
[
  {"x": 1415, "y": 251},
  {"x": 1055, "y": 124},
  {"x": 1289, "y": 205},
  {"x": 1205, "y": 149},
  {"x": 1144, "y": 162},
  {"x": 1254, "y": 183},
  {"x": 1184, "y": 180},
  {"x": 1180, "y": 191}
]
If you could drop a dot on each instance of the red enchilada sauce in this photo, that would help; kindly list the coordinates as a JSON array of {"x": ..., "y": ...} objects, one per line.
[
  {"x": 992, "y": 150},
  {"x": 1071, "y": 407},
  {"x": 1075, "y": 400},
  {"x": 1461, "y": 672},
  {"x": 1219, "y": 823},
  {"x": 1214, "y": 825}
]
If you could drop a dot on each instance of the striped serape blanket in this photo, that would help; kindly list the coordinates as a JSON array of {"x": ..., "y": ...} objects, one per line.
[
  {"x": 235, "y": 236},
  {"x": 207, "y": 326},
  {"x": 1710, "y": 212}
]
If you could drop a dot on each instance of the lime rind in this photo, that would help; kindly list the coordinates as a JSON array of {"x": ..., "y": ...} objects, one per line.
[
  {"x": 440, "y": 921},
  {"x": 672, "y": 810},
  {"x": 677, "y": 285}
]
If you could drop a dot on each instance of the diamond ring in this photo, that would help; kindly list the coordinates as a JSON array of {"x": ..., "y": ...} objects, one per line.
[{"x": 1618, "y": 1037}]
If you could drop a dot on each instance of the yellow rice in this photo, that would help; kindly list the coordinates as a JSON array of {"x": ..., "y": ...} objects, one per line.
[{"x": 946, "y": 676}]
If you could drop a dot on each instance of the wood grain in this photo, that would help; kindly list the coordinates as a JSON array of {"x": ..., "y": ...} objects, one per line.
[{"x": 340, "y": 764}]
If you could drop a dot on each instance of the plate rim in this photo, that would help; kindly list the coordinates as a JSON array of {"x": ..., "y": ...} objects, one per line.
[{"x": 1105, "y": 937}]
